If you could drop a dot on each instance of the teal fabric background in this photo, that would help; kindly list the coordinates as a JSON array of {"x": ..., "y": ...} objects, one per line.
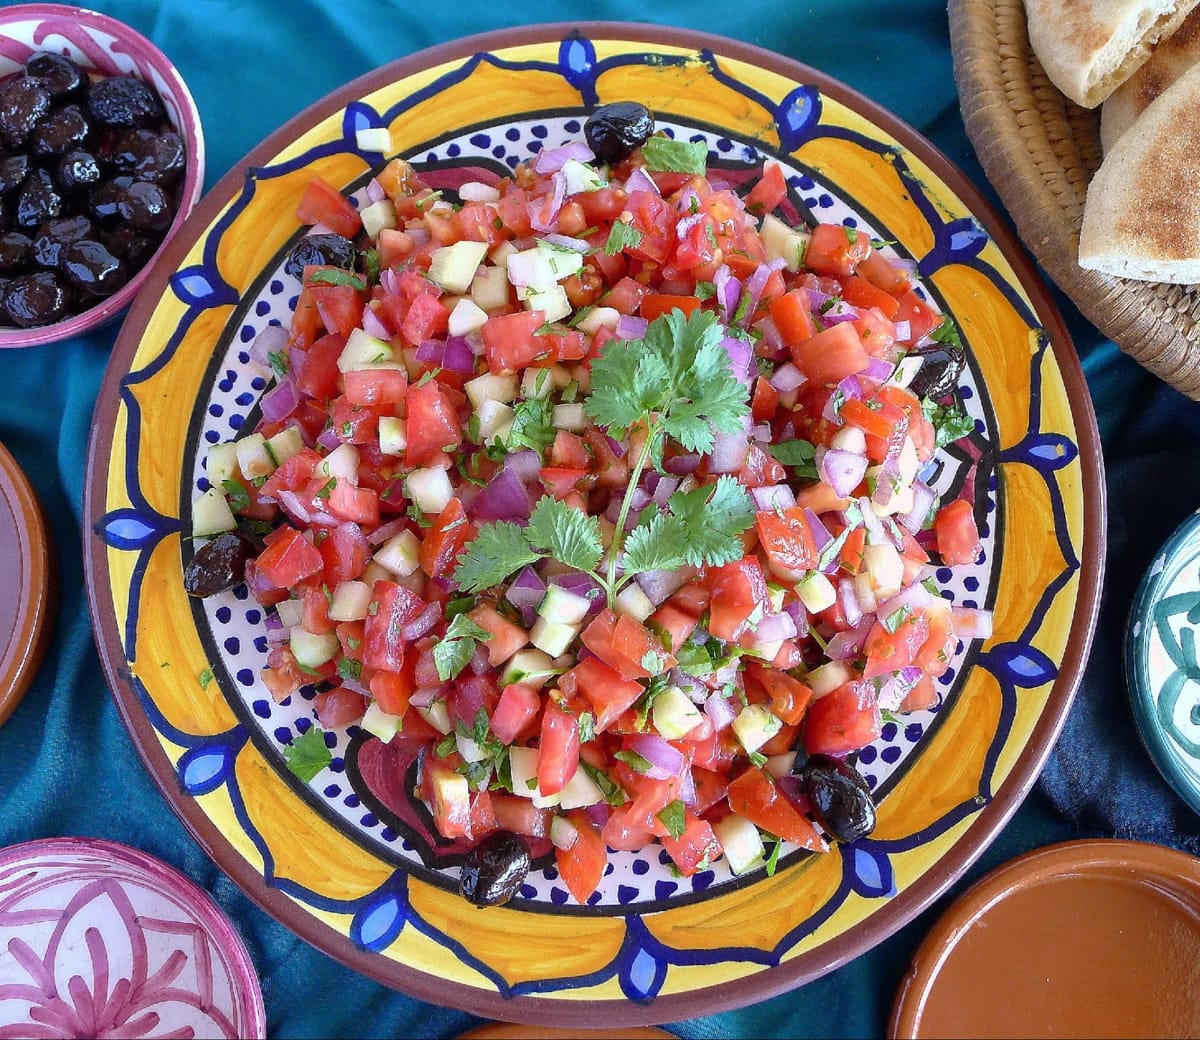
[{"x": 67, "y": 766}]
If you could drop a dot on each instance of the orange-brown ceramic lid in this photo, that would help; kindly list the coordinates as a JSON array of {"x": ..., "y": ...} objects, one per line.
[
  {"x": 25, "y": 573},
  {"x": 1083, "y": 939}
]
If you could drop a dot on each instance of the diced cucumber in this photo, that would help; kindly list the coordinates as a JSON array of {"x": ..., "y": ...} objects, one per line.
[
  {"x": 634, "y": 603},
  {"x": 527, "y": 666},
  {"x": 776, "y": 594},
  {"x": 342, "y": 463},
  {"x": 563, "y": 833},
  {"x": 453, "y": 267},
  {"x": 495, "y": 420},
  {"x": 816, "y": 592},
  {"x": 466, "y": 317},
  {"x": 552, "y": 301},
  {"x": 430, "y": 489},
  {"x": 438, "y": 716},
  {"x": 291, "y": 612},
  {"x": 373, "y": 139},
  {"x": 851, "y": 439},
  {"x": 906, "y": 369},
  {"x": 400, "y": 554},
  {"x": 552, "y": 638},
  {"x": 470, "y": 751},
  {"x": 375, "y": 572},
  {"x": 312, "y": 649},
  {"x": 489, "y": 387},
  {"x": 598, "y": 318},
  {"x": 490, "y": 287},
  {"x": 350, "y": 601},
  {"x": 767, "y": 651},
  {"x": 754, "y": 726},
  {"x": 580, "y": 790},
  {"x": 562, "y": 607},
  {"x": 883, "y": 563},
  {"x": 363, "y": 352},
  {"x": 379, "y": 723},
  {"x": 564, "y": 261},
  {"x": 741, "y": 841},
  {"x": 581, "y": 177},
  {"x": 674, "y": 713},
  {"x": 211, "y": 514},
  {"x": 221, "y": 462},
  {"x": 253, "y": 458},
  {"x": 523, "y": 769},
  {"x": 828, "y": 677},
  {"x": 780, "y": 765},
  {"x": 287, "y": 443},
  {"x": 378, "y": 216},
  {"x": 393, "y": 435},
  {"x": 570, "y": 417},
  {"x": 785, "y": 243}
]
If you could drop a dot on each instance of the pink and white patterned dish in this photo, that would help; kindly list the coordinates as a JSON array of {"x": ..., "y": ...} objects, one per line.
[{"x": 100, "y": 940}]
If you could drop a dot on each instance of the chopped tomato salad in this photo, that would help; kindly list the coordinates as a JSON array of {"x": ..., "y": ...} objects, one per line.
[{"x": 602, "y": 486}]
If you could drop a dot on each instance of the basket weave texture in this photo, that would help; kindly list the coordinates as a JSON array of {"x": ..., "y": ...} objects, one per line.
[{"x": 1039, "y": 150}]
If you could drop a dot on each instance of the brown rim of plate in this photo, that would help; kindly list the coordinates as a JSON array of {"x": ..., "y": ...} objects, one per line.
[
  {"x": 1040, "y": 151},
  {"x": 758, "y": 985},
  {"x": 519, "y": 1031},
  {"x": 1121, "y": 877},
  {"x": 27, "y": 576}
]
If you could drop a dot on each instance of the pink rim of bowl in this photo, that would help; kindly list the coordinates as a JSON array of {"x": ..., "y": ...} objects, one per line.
[
  {"x": 131, "y": 864},
  {"x": 107, "y": 45}
]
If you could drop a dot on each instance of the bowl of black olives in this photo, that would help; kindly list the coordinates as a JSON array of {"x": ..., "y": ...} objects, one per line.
[{"x": 101, "y": 161}]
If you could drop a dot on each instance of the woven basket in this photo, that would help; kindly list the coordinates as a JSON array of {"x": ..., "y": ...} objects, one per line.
[{"x": 1039, "y": 150}]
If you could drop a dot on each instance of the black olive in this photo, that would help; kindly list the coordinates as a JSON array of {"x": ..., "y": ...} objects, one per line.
[
  {"x": 124, "y": 101},
  {"x": 148, "y": 155},
  {"x": 130, "y": 245},
  {"x": 90, "y": 266},
  {"x": 104, "y": 200},
  {"x": 146, "y": 207},
  {"x": 16, "y": 252},
  {"x": 61, "y": 77},
  {"x": 6, "y": 215},
  {"x": 13, "y": 171},
  {"x": 218, "y": 565},
  {"x": 56, "y": 233},
  {"x": 613, "y": 131},
  {"x": 62, "y": 130},
  {"x": 23, "y": 102},
  {"x": 327, "y": 249},
  {"x": 38, "y": 199},
  {"x": 840, "y": 798},
  {"x": 495, "y": 869},
  {"x": 78, "y": 169},
  {"x": 941, "y": 369},
  {"x": 37, "y": 298}
]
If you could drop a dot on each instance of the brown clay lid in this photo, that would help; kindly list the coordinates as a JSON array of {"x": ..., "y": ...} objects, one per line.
[
  {"x": 1083, "y": 939},
  {"x": 25, "y": 577}
]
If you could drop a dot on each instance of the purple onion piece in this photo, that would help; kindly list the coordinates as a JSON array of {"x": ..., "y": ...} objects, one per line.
[
  {"x": 665, "y": 761},
  {"x": 504, "y": 498},
  {"x": 843, "y": 470}
]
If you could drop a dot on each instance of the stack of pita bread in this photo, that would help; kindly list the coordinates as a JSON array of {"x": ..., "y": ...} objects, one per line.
[{"x": 1140, "y": 61}]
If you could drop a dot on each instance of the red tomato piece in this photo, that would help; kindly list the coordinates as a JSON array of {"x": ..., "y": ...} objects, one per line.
[
  {"x": 392, "y": 607},
  {"x": 506, "y": 638},
  {"x": 322, "y": 203},
  {"x": 316, "y": 372},
  {"x": 695, "y": 848},
  {"x": 288, "y": 558},
  {"x": 957, "y": 534},
  {"x": 431, "y": 424},
  {"x": 832, "y": 354},
  {"x": 558, "y": 749},
  {"x": 608, "y": 692},
  {"x": 442, "y": 543},
  {"x": 739, "y": 598},
  {"x": 836, "y": 249},
  {"x": 769, "y": 190},
  {"x": 511, "y": 342},
  {"x": 339, "y": 707},
  {"x": 755, "y": 795},
  {"x": 844, "y": 720},
  {"x": 516, "y": 709},
  {"x": 788, "y": 541},
  {"x": 583, "y": 864}
]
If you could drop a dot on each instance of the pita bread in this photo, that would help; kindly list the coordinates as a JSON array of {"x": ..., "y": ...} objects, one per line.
[
  {"x": 1090, "y": 47},
  {"x": 1141, "y": 218},
  {"x": 1171, "y": 58}
]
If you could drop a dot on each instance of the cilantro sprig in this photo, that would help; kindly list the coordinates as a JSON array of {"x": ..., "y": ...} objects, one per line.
[
  {"x": 456, "y": 648},
  {"x": 676, "y": 384}
]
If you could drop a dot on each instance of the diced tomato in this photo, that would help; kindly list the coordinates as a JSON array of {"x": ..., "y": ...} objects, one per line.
[
  {"x": 880, "y": 271},
  {"x": 339, "y": 707},
  {"x": 626, "y": 646},
  {"x": 788, "y": 541},
  {"x": 506, "y": 638},
  {"x": 792, "y": 315},
  {"x": 282, "y": 675},
  {"x": 844, "y": 720},
  {"x": 375, "y": 386},
  {"x": 832, "y": 354},
  {"x": 569, "y": 451},
  {"x": 625, "y": 296},
  {"x": 519, "y": 815},
  {"x": 511, "y": 341},
  {"x": 695, "y": 848},
  {"x": 941, "y": 644},
  {"x": 739, "y": 598},
  {"x": 769, "y": 190},
  {"x": 923, "y": 695},
  {"x": 316, "y": 372},
  {"x": 392, "y": 607},
  {"x": 560, "y": 481},
  {"x": 862, "y": 294},
  {"x": 393, "y": 690},
  {"x": 516, "y": 709},
  {"x": 427, "y": 318},
  {"x": 444, "y": 541},
  {"x": 655, "y": 304},
  {"x": 672, "y": 624},
  {"x": 764, "y": 401},
  {"x": 836, "y": 249},
  {"x": 788, "y": 698},
  {"x": 289, "y": 558},
  {"x": 891, "y": 646},
  {"x": 340, "y": 306},
  {"x": 558, "y": 749},
  {"x": 608, "y": 692},
  {"x": 353, "y": 504},
  {"x": 322, "y": 203},
  {"x": 922, "y": 319},
  {"x": 583, "y": 864},
  {"x": 957, "y": 534},
  {"x": 755, "y": 795},
  {"x": 431, "y": 424}
]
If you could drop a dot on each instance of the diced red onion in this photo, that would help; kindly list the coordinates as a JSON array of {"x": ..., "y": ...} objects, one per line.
[
  {"x": 453, "y": 354},
  {"x": 838, "y": 311},
  {"x": 525, "y": 593},
  {"x": 631, "y": 327},
  {"x": 685, "y": 224},
  {"x": 389, "y": 530},
  {"x": 729, "y": 452},
  {"x": 689, "y": 201},
  {"x": 757, "y": 282},
  {"x": 526, "y": 464},
  {"x": 915, "y": 518},
  {"x": 599, "y": 813},
  {"x": 374, "y": 191},
  {"x": 292, "y": 504},
  {"x": 618, "y": 448},
  {"x": 847, "y": 597},
  {"x": 576, "y": 245},
  {"x": 280, "y": 401},
  {"x": 543, "y": 212},
  {"x": 787, "y": 377},
  {"x": 898, "y": 686},
  {"x": 277, "y": 632},
  {"x": 659, "y": 586},
  {"x": 548, "y": 160},
  {"x": 682, "y": 465},
  {"x": 741, "y": 357},
  {"x": 768, "y": 499},
  {"x": 640, "y": 180},
  {"x": 687, "y": 787},
  {"x": 272, "y": 339},
  {"x": 903, "y": 331},
  {"x": 389, "y": 278},
  {"x": 581, "y": 585},
  {"x": 422, "y": 623},
  {"x": 774, "y": 627},
  {"x": 879, "y": 369},
  {"x": 663, "y": 488},
  {"x": 818, "y": 299},
  {"x": 480, "y": 662},
  {"x": 771, "y": 345},
  {"x": 665, "y": 761},
  {"x": 914, "y": 596},
  {"x": 373, "y": 325},
  {"x": 424, "y": 698},
  {"x": 972, "y": 622},
  {"x": 820, "y": 533},
  {"x": 563, "y": 833},
  {"x": 843, "y": 470},
  {"x": 844, "y": 645},
  {"x": 719, "y": 710},
  {"x": 504, "y": 498},
  {"x": 328, "y": 438},
  {"x": 728, "y": 292},
  {"x": 796, "y": 611}
]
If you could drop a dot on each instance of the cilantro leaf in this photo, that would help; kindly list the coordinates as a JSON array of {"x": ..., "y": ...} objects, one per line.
[
  {"x": 456, "y": 648},
  {"x": 674, "y": 818},
  {"x": 532, "y": 425},
  {"x": 659, "y": 545},
  {"x": 621, "y": 236},
  {"x": 336, "y": 276},
  {"x": 668, "y": 155},
  {"x": 238, "y": 496},
  {"x": 307, "y": 754},
  {"x": 566, "y": 533},
  {"x": 498, "y": 550},
  {"x": 950, "y": 422},
  {"x": 798, "y": 455},
  {"x": 714, "y": 517},
  {"x": 947, "y": 332}
]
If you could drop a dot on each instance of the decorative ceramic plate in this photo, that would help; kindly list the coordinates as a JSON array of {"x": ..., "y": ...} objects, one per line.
[
  {"x": 343, "y": 860},
  {"x": 1163, "y": 660},
  {"x": 26, "y": 573},
  {"x": 1005, "y": 960},
  {"x": 103, "y": 940}
]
